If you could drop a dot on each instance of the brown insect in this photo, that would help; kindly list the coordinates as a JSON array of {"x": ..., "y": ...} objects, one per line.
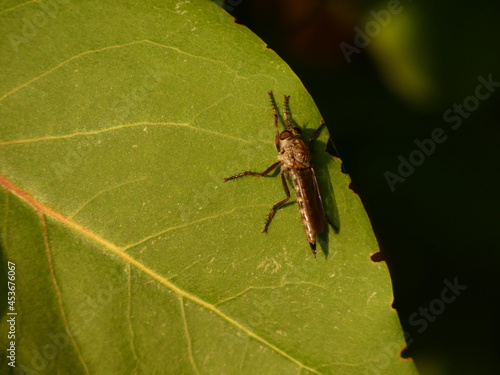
[{"x": 295, "y": 161}]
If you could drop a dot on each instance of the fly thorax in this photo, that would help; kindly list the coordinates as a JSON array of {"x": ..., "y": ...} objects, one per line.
[{"x": 294, "y": 154}]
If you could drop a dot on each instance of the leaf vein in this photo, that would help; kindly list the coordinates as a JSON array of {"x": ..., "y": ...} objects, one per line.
[
  {"x": 118, "y": 251},
  {"x": 61, "y": 64},
  {"x": 117, "y": 46},
  {"x": 188, "y": 336},
  {"x": 19, "y": 6},
  {"x": 126, "y": 248},
  {"x": 181, "y": 226},
  {"x": 252, "y": 287},
  {"x": 123, "y": 126},
  {"x": 41, "y": 215},
  {"x": 99, "y": 193},
  {"x": 129, "y": 316}
]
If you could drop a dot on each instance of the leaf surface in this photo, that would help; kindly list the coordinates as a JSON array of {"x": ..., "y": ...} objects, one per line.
[{"x": 119, "y": 122}]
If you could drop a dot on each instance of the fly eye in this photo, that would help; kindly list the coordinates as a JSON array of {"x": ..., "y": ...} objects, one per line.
[{"x": 285, "y": 134}]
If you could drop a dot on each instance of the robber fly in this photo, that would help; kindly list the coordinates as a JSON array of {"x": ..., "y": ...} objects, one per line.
[{"x": 295, "y": 161}]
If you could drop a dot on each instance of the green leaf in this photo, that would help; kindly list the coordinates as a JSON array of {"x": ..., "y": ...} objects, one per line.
[{"x": 119, "y": 122}]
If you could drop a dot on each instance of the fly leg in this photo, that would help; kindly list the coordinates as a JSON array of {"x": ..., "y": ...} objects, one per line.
[
  {"x": 276, "y": 123},
  {"x": 286, "y": 112},
  {"x": 315, "y": 135},
  {"x": 277, "y": 205},
  {"x": 271, "y": 168}
]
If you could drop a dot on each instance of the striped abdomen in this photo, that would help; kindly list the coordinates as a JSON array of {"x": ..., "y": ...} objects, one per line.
[{"x": 309, "y": 200}]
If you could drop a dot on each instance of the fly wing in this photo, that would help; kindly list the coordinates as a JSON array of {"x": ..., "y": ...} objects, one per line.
[{"x": 309, "y": 199}]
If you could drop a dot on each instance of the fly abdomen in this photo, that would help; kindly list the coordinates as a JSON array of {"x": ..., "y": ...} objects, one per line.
[{"x": 309, "y": 200}]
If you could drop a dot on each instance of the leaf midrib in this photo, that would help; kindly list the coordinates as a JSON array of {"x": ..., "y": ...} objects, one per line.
[{"x": 119, "y": 251}]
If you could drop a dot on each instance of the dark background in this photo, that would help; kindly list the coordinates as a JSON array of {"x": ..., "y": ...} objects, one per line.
[{"x": 440, "y": 223}]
